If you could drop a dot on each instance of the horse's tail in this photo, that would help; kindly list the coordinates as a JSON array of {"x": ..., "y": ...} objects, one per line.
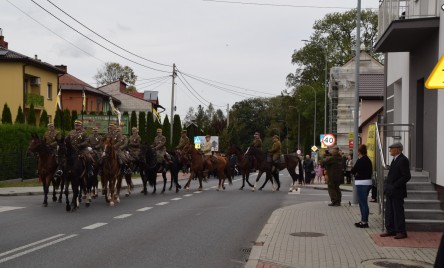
[
  {"x": 228, "y": 173},
  {"x": 152, "y": 176}
]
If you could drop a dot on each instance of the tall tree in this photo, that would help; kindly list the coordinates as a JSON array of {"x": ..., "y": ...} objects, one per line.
[
  {"x": 74, "y": 117},
  {"x": 31, "y": 120},
  {"x": 20, "y": 119},
  {"x": 142, "y": 127},
  {"x": 166, "y": 129},
  {"x": 133, "y": 122},
  {"x": 113, "y": 71},
  {"x": 6, "y": 115},
  {"x": 67, "y": 119},
  {"x": 58, "y": 119},
  {"x": 335, "y": 37},
  {"x": 150, "y": 127},
  {"x": 177, "y": 128},
  {"x": 44, "y": 120}
]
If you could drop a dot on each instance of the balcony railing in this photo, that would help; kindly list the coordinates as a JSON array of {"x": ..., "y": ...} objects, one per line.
[
  {"x": 37, "y": 100},
  {"x": 390, "y": 10}
]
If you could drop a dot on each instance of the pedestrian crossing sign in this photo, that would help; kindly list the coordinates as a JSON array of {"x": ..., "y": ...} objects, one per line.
[{"x": 196, "y": 140}]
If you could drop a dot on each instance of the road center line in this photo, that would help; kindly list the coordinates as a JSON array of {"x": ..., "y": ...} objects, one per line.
[
  {"x": 123, "y": 216},
  {"x": 188, "y": 195},
  {"x": 95, "y": 225},
  {"x": 144, "y": 209},
  {"x": 6, "y": 208},
  {"x": 197, "y": 192},
  {"x": 37, "y": 248},
  {"x": 176, "y": 199},
  {"x": 162, "y": 203},
  {"x": 30, "y": 245}
]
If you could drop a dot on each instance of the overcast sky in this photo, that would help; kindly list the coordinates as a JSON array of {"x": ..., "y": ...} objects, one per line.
[{"x": 248, "y": 46}]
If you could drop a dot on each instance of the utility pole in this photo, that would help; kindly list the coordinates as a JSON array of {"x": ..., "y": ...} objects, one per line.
[
  {"x": 172, "y": 104},
  {"x": 357, "y": 72},
  {"x": 228, "y": 115}
]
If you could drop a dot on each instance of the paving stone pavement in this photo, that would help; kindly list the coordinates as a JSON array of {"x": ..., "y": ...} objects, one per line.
[{"x": 341, "y": 244}]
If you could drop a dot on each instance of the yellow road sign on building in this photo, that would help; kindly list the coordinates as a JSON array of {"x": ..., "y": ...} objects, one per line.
[{"x": 436, "y": 78}]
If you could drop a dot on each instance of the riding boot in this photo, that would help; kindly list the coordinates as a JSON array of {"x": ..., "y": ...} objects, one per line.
[{"x": 90, "y": 169}]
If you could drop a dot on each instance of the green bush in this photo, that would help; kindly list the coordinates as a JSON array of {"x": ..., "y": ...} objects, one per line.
[
  {"x": 44, "y": 120},
  {"x": 20, "y": 119},
  {"x": 31, "y": 120},
  {"x": 6, "y": 115}
]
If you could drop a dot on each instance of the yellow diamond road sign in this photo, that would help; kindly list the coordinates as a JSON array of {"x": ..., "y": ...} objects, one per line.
[
  {"x": 436, "y": 78},
  {"x": 314, "y": 148}
]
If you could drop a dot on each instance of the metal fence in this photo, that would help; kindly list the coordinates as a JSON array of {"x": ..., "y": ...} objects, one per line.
[{"x": 17, "y": 165}]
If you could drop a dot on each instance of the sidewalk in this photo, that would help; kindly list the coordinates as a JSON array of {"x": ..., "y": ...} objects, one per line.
[
  {"x": 316, "y": 235},
  {"x": 38, "y": 190}
]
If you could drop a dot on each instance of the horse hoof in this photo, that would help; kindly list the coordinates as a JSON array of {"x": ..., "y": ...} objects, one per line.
[
  {"x": 45, "y": 205},
  {"x": 217, "y": 189},
  {"x": 60, "y": 200},
  {"x": 242, "y": 188},
  {"x": 54, "y": 198},
  {"x": 177, "y": 190},
  {"x": 127, "y": 194},
  {"x": 200, "y": 189},
  {"x": 111, "y": 204},
  {"x": 260, "y": 189},
  {"x": 117, "y": 200},
  {"x": 68, "y": 208}
]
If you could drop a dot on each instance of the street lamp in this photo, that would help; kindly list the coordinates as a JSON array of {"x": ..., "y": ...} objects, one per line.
[
  {"x": 325, "y": 85},
  {"x": 299, "y": 124}
]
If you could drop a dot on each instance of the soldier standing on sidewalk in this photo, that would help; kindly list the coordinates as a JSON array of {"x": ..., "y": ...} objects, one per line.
[{"x": 333, "y": 165}]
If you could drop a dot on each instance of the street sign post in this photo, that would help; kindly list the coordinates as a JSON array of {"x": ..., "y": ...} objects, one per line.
[{"x": 329, "y": 140}]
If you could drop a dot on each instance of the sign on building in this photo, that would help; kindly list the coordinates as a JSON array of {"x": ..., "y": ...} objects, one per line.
[{"x": 102, "y": 121}]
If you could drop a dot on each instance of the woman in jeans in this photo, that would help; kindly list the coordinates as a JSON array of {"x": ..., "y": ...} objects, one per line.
[{"x": 362, "y": 171}]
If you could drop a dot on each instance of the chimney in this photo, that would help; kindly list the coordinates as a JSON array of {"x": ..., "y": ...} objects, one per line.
[
  {"x": 3, "y": 44},
  {"x": 63, "y": 67}
]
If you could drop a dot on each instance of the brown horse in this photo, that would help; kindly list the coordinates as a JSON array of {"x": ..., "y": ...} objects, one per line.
[
  {"x": 46, "y": 167},
  {"x": 111, "y": 170},
  {"x": 288, "y": 161},
  {"x": 221, "y": 167},
  {"x": 190, "y": 155},
  {"x": 244, "y": 162}
]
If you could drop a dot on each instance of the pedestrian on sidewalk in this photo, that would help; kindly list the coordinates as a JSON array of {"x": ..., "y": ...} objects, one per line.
[
  {"x": 308, "y": 168},
  {"x": 348, "y": 168},
  {"x": 362, "y": 170},
  {"x": 395, "y": 190},
  {"x": 319, "y": 171},
  {"x": 333, "y": 165}
]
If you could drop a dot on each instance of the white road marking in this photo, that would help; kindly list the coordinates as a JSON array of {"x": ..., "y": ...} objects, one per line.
[
  {"x": 95, "y": 225},
  {"x": 37, "y": 248},
  {"x": 123, "y": 216},
  {"x": 197, "y": 192},
  {"x": 206, "y": 189},
  {"x": 144, "y": 209},
  {"x": 176, "y": 199},
  {"x": 30, "y": 245},
  {"x": 6, "y": 208},
  {"x": 162, "y": 203},
  {"x": 214, "y": 186},
  {"x": 188, "y": 195}
]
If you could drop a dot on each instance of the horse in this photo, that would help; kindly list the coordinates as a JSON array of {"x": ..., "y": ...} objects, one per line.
[
  {"x": 288, "y": 161},
  {"x": 244, "y": 162},
  {"x": 111, "y": 171},
  {"x": 190, "y": 155},
  {"x": 46, "y": 167},
  {"x": 152, "y": 167},
  {"x": 73, "y": 172},
  {"x": 222, "y": 170}
]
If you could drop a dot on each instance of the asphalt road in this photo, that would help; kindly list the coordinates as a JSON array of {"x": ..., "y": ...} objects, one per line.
[{"x": 188, "y": 229}]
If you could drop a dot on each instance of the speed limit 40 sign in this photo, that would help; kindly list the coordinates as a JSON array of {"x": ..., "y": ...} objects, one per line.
[{"x": 329, "y": 140}]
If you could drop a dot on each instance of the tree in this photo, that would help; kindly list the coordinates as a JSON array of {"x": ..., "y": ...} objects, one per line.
[
  {"x": 335, "y": 36},
  {"x": 150, "y": 127},
  {"x": 6, "y": 115},
  {"x": 20, "y": 119},
  {"x": 74, "y": 117},
  {"x": 133, "y": 122},
  {"x": 67, "y": 119},
  {"x": 166, "y": 130},
  {"x": 177, "y": 128},
  {"x": 142, "y": 127},
  {"x": 58, "y": 119},
  {"x": 31, "y": 120},
  {"x": 44, "y": 120},
  {"x": 112, "y": 71}
]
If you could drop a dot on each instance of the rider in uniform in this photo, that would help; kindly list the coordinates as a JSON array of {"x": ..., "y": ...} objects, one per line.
[
  {"x": 121, "y": 144},
  {"x": 134, "y": 147},
  {"x": 275, "y": 151},
  {"x": 208, "y": 154},
  {"x": 257, "y": 143},
  {"x": 51, "y": 137},
  {"x": 79, "y": 140},
  {"x": 160, "y": 148},
  {"x": 184, "y": 141}
]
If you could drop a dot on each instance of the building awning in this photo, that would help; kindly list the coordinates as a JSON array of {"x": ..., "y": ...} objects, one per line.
[{"x": 405, "y": 35}]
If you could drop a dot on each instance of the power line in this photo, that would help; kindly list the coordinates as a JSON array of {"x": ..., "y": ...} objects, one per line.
[
  {"x": 153, "y": 81},
  {"x": 274, "y": 5},
  {"x": 106, "y": 38},
  {"x": 194, "y": 89},
  {"x": 72, "y": 44},
  {"x": 113, "y": 52},
  {"x": 192, "y": 92}
]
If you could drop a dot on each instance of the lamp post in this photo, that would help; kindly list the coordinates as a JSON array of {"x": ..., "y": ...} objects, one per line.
[{"x": 325, "y": 85}]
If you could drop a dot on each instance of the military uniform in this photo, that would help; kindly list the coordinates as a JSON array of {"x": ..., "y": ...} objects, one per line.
[
  {"x": 121, "y": 145},
  {"x": 79, "y": 140},
  {"x": 134, "y": 145},
  {"x": 183, "y": 142},
  {"x": 95, "y": 142},
  {"x": 275, "y": 149},
  {"x": 333, "y": 165},
  {"x": 159, "y": 146},
  {"x": 51, "y": 137},
  {"x": 257, "y": 142}
]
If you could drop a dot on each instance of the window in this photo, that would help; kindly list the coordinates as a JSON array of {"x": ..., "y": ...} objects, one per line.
[{"x": 49, "y": 93}]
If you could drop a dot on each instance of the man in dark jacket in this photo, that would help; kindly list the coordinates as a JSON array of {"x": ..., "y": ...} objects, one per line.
[
  {"x": 395, "y": 190},
  {"x": 333, "y": 165},
  {"x": 308, "y": 168}
]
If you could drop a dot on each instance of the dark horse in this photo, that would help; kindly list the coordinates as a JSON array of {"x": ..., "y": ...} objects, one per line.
[
  {"x": 288, "y": 161},
  {"x": 152, "y": 167},
  {"x": 111, "y": 170},
  {"x": 244, "y": 162},
  {"x": 73, "y": 171},
  {"x": 46, "y": 167}
]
